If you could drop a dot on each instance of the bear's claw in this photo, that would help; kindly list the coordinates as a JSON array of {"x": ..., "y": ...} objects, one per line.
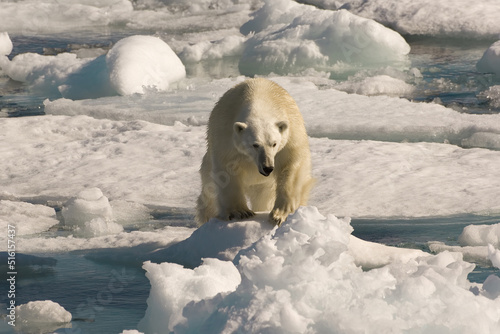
[
  {"x": 277, "y": 217},
  {"x": 241, "y": 214}
]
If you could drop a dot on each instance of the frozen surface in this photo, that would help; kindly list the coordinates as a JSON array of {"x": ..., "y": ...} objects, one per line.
[
  {"x": 490, "y": 62},
  {"x": 43, "y": 316},
  {"x": 291, "y": 38},
  {"x": 327, "y": 112},
  {"x": 302, "y": 278},
  {"x": 444, "y": 18},
  {"x": 27, "y": 218},
  {"x": 126, "y": 160},
  {"x": 53, "y": 16}
]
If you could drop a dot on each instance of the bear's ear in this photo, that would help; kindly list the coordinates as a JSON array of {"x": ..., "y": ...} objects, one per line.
[
  {"x": 239, "y": 127},
  {"x": 282, "y": 126}
]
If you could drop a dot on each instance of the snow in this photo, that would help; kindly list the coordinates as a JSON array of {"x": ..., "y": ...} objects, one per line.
[
  {"x": 41, "y": 316},
  {"x": 290, "y": 38},
  {"x": 301, "y": 277},
  {"x": 490, "y": 61},
  {"x": 445, "y": 18}
]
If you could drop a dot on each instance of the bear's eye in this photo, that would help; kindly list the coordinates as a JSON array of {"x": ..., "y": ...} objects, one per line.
[
  {"x": 274, "y": 145},
  {"x": 255, "y": 145}
]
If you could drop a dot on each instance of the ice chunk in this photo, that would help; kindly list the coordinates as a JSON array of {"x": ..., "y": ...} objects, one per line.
[
  {"x": 494, "y": 256},
  {"x": 292, "y": 37},
  {"x": 87, "y": 205},
  {"x": 5, "y": 44},
  {"x": 28, "y": 218},
  {"x": 89, "y": 214},
  {"x": 480, "y": 235},
  {"x": 172, "y": 287},
  {"x": 490, "y": 62},
  {"x": 41, "y": 316},
  {"x": 139, "y": 62}
]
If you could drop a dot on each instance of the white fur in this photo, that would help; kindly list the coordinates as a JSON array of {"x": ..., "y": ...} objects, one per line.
[{"x": 255, "y": 130}]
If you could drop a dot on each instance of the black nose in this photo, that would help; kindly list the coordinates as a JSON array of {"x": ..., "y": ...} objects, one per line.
[{"x": 267, "y": 170}]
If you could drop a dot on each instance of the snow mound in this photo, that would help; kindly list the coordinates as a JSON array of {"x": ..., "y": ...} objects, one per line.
[
  {"x": 41, "y": 316},
  {"x": 90, "y": 214},
  {"x": 490, "y": 61},
  {"x": 28, "y": 218},
  {"x": 290, "y": 38},
  {"x": 303, "y": 278},
  {"x": 139, "y": 62}
]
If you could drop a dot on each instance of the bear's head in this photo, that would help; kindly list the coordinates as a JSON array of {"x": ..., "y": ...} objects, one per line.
[{"x": 261, "y": 141}]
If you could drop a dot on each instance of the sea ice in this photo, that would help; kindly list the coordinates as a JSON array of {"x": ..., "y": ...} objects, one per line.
[
  {"x": 444, "y": 18},
  {"x": 490, "y": 62},
  {"x": 41, "y": 316},
  {"x": 290, "y": 38},
  {"x": 302, "y": 278}
]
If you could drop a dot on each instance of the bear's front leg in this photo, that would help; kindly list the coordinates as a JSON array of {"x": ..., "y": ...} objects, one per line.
[
  {"x": 287, "y": 198},
  {"x": 231, "y": 200}
]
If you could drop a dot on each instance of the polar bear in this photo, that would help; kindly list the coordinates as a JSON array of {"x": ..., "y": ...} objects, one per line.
[{"x": 257, "y": 152}]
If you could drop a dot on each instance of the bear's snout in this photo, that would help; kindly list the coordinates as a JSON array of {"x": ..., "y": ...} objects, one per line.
[{"x": 266, "y": 170}]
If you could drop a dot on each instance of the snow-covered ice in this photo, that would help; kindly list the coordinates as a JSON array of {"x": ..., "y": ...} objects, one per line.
[
  {"x": 290, "y": 38},
  {"x": 302, "y": 278},
  {"x": 444, "y": 18}
]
